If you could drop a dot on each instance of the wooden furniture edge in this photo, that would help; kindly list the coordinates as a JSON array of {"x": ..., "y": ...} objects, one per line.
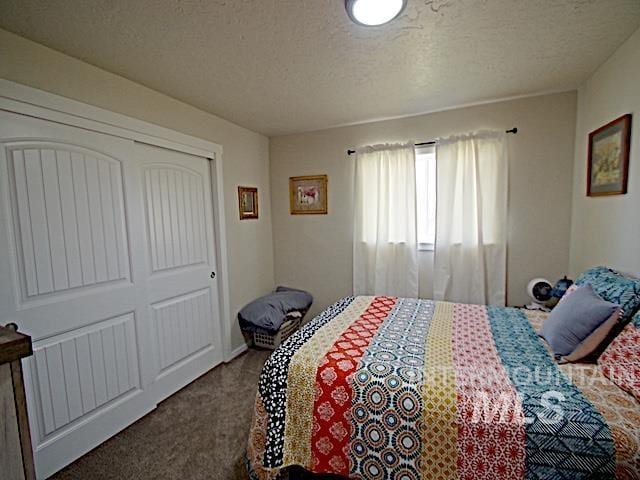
[
  {"x": 13, "y": 345},
  {"x": 23, "y": 420}
]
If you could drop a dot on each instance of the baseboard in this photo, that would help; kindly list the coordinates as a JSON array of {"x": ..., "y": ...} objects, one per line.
[{"x": 236, "y": 352}]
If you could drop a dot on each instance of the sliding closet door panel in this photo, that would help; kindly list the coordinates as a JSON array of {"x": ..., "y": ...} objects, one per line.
[
  {"x": 184, "y": 327},
  {"x": 176, "y": 217},
  {"x": 73, "y": 275},
  {"x": 65, "y": 197},
  {"x": 181, "y": 258}
]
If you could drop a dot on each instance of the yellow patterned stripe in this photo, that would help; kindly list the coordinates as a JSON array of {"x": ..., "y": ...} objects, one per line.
[
  {"x": 257, "y": 439},
  {"x": 301, "y": 382},
  {"x": 440, "y": 433}
]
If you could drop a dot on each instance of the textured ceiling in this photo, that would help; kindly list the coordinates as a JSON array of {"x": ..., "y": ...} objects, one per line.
[{"x": 283, "y": 66}]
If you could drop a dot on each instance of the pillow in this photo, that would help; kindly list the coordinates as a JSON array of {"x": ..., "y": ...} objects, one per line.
[
  {"x": 620, "y": 362},
  {"x": 614, "y": 287},
  {"x": 592, "y": 344},
  {"x": 575, "y": 319}
]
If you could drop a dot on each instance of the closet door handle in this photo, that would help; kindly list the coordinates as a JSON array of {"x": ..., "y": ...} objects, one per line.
[{"x": 213, "y": 274}]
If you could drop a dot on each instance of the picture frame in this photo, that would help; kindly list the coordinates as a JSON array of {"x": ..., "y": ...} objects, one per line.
[
  {"x": 608, "y": 158},
  {"x": 248, "y": 203},
  {"x": 308, "y": 195}
]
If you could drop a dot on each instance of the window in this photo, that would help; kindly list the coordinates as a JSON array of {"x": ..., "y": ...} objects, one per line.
[{"x": 426, "y": 196}]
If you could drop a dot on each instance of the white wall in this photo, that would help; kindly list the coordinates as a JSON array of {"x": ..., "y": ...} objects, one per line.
[
  {"x": 246, "y": 154},
  {"x": 315, "y": 251},
  {"x": 606, "y": 230}
]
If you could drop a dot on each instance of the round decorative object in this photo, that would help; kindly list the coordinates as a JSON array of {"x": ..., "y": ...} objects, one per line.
[
  {"x": 539, "y": 289},
  {"x": 372, "y": 13}
]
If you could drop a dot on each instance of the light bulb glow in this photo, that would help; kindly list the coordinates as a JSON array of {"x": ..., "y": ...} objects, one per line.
[{"x": 374, "y": 12}]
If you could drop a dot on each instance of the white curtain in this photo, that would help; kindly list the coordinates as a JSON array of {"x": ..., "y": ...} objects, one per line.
[
  {"x": 385, "y": 259},
  {"x": 471, "y": 243}
]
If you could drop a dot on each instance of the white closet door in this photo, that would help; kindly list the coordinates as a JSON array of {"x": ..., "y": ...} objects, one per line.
[
  {"x": 106, "y": 253},
  {"x": 181, "y": 263},
  {"x": 72, "y": 275}
]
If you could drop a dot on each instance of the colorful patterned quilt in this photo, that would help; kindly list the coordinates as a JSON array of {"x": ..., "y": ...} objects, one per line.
[{"x": 384, "y": 387}]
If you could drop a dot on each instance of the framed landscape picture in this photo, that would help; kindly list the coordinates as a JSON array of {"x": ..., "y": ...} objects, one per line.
[
  {"x": 308, "y": 195},
  {"x": 608, "y": 162},
  {"x": 248, "y": 202}
]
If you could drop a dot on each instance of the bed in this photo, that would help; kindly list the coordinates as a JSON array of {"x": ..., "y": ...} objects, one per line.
[{"x": 384, "y": 387}]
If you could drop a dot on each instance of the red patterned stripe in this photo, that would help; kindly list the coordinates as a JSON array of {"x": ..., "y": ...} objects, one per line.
[
  {"x": 491, "y": 435},
  {"x": 332, "y": 406}
]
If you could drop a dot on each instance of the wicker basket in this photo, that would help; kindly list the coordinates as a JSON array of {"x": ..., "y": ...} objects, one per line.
[{"x": 288, "y": 328}]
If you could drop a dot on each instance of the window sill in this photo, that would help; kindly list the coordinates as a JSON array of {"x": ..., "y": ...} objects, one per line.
[{"x": 426, "y": 247}]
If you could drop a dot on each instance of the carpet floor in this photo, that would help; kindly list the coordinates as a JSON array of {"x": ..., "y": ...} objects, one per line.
[{"x": 198, "y": 433}]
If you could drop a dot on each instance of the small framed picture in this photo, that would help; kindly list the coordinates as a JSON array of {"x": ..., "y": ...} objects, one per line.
[
  {"x": 608, "y": 163},
  {"x": 248, "y": 202},
  {"x": 308, "y": 195}
]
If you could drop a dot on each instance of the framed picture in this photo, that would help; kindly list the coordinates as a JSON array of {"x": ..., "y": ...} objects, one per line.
[
  {"x": 308, "y": 195},
  {"x": 608, "y": 163},
  {"x": 248, "y": 202}
]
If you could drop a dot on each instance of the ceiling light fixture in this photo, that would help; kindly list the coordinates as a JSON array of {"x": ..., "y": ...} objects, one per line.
[{"x": 372, "y": 13}]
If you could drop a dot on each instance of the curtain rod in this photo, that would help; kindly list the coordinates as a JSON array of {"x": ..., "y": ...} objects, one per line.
[{"x": 513, "y": 130}]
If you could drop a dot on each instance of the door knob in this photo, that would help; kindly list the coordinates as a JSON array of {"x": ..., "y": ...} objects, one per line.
[{"x": 213, "y": 274}]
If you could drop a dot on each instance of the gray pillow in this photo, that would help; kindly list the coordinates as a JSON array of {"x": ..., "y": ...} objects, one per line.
[
  {"x": 268, "y": 313},
  {"x": 574, "y": 319}
]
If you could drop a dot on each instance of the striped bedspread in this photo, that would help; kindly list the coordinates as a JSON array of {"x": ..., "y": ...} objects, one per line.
[{"x": 384, "y": 387}]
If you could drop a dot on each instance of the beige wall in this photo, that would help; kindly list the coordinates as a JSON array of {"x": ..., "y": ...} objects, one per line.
[
  {"x": 315, "y": 252},
  {"x": 246, "y": 154},
  {"x": 606, "y": 230}
]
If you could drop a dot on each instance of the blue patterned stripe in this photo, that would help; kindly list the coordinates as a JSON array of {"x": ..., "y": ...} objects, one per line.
[
  {"x": 386, "y": 401},
  {"x": 579, "y": 445},
  {"x": 273, "y": 381}
]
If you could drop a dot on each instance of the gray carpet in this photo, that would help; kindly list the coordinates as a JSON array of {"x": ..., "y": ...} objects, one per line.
[{"x": 198, "y": 433}]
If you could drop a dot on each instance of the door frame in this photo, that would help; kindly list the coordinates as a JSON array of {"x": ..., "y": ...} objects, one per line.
[{"x": 33, "y": 102}]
